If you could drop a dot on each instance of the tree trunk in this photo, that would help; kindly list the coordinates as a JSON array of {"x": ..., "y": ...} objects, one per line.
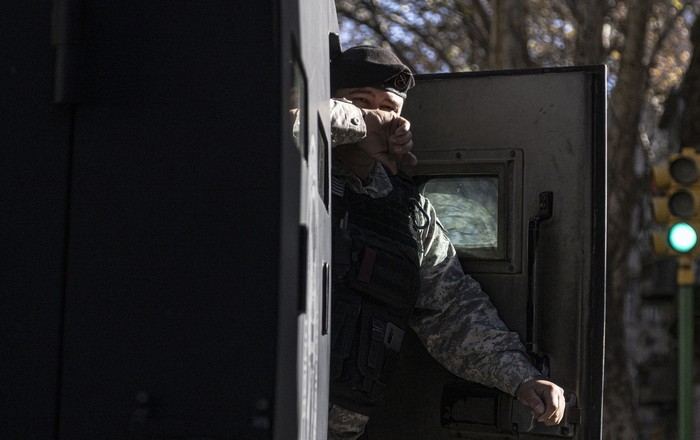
[
  {"x": 508, "y": 36},
  {"x": 627, "y": 99},
  {"x": 589, "y": 18}
]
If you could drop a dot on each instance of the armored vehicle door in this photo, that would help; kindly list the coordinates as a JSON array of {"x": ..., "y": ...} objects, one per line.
[{"x": 515, "y": 164}]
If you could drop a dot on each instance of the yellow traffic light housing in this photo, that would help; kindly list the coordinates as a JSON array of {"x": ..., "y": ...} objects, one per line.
[{"x": 678, "y": 206}]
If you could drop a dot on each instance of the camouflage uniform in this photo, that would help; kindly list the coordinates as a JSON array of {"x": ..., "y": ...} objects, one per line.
[
  {"x": 348, "y": 125},
  {"x": 344, "y": 424},
  {"x": 453, "y": 317}
]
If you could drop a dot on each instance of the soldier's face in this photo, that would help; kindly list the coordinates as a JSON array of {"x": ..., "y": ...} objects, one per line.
[{"x": 372, "y": 99}]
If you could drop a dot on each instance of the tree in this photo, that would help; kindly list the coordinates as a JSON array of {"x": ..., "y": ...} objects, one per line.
[
  {"x": 509, "y": 49},
  {"x": 625, "y": 109}
]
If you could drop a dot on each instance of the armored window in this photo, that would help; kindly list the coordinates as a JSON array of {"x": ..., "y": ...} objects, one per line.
[
  {"x": 477, "y": 199},
  {"x": 467, "y": 206}
]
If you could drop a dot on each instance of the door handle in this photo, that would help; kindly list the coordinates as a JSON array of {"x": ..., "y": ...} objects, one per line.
[
  {"x": 541, "y": 361},
  {"x": 470, "y": 410}
]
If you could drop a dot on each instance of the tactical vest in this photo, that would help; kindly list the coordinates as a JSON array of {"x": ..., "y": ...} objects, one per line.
[{"x": 375, "y": 286}]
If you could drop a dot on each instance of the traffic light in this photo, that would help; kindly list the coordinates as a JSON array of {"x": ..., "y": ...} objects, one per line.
[{"x": 678, "y": 206}]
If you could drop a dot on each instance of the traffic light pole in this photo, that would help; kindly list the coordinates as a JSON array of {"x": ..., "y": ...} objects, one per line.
[{"x": 686, "y": 311}]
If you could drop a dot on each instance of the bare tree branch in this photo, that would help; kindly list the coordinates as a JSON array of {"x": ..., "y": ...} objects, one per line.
[{"x": 666, "y": 29}]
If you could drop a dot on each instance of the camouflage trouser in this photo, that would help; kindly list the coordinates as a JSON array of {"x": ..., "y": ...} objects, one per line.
[{"x": 344, "y": 424}]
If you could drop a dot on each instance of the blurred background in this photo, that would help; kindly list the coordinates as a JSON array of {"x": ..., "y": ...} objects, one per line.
[{"x": 652, "y": 50}]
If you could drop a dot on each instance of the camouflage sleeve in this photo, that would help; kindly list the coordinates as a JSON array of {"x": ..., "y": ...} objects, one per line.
[
  {"x": 344, "y": 424},
  {"x": 457, "y": 322},
  {"x": 347, "y": 123}
]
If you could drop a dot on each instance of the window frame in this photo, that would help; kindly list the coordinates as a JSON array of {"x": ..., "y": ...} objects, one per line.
[{"x": 507, "y": 166}]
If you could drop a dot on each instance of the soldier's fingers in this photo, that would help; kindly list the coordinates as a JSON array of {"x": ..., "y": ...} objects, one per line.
[
  {"x": 532, "y": 400},
  {"x": 549, "y": 399},
  {"x": 401, "y": 139},
  {"x": 561, "y": 408},
  {"x": 401, "y": 149},
  {"x": 554, "y": 400},
  {"x": 409, "y": 159},
  {"x": 400, "y": 126}
]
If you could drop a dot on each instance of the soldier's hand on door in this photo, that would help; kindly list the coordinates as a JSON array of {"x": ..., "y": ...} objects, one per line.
[{"x": 545, "y": 399}]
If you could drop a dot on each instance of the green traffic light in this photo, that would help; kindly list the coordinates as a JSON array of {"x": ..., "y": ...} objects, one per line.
[{"x": 682, "y": 237}]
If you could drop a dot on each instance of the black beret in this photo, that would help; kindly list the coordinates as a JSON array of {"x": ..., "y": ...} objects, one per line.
[{"x": 370, "y": 66}]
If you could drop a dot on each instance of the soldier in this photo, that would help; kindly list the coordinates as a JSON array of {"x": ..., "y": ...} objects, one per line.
[{"x": 394, "y": 266}]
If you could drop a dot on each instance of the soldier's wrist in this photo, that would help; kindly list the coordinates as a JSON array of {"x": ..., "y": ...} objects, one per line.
[{"x": 527, "y": 379}]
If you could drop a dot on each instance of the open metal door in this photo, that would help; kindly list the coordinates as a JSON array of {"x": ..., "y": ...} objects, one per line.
[{"x": 515, "y": 162}]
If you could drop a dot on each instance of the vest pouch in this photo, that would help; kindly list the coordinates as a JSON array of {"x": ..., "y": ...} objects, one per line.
[
  {"x": 385, "y": 273},
  {"x": 346, "y": 311},
  {"x": 379, "y": 346}
]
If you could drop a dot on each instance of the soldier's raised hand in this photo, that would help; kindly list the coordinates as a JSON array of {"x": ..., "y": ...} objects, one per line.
[{"x": 389, "y": 140}]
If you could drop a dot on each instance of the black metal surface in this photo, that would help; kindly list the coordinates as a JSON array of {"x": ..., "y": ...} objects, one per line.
[
  {"x": 34, "y": 179},
  {"x": 146, "y": 217}
]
